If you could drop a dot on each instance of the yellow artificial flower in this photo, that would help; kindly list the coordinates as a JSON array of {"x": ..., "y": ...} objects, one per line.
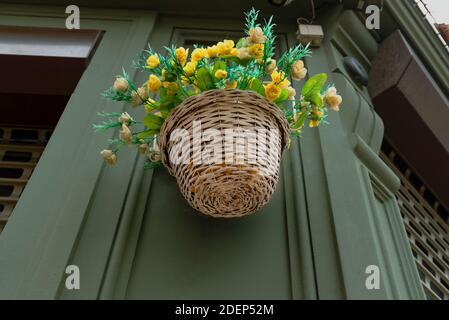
[
  {"x": 172, "y": 87},
  {"x": 109, "y": 157},
  {"x": 231, "y": 85},
  {"x": 221, "y": 74},
  {"x": 190, "y": 68},
  {"x": 139, "y": 96},
  {"x": 298, "y": 71},
  {"x": 154, "y": 83},
  {"x": 153, "y": 61},
  {"x": 272, "y": 91},
  {"x": 291, "y": 93},
  {"x": 125, "y": 134},
  {"x": 212, "y": 51},
  {"x": 279, "y": 78},
  {"x": 198, "y": 54},
  {"x": 181, "y": 54},
  {"x": 224, "y": 48},
  {"x": 256, "y": 50},
  {"x": 234, "y": 52},
  {"x": 314, "y": 123},
  {"x": 125, "y": 118},
  {"x": 332, "y": 99}
]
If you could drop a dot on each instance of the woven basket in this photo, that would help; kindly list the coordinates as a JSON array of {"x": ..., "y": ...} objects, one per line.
[{"x": 239, "y": 185}]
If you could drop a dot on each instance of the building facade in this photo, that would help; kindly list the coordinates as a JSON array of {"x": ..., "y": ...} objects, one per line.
[{"x": 354, "y": 197}]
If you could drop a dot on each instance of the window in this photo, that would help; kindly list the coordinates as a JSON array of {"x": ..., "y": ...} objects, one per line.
[
  {"x": 426, "y": 224},
  {"x": 41, "y": 68}
]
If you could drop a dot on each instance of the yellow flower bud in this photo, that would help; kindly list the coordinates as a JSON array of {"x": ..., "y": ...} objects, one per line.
[
  {"x": 154, "y": 83},
  {"x": 332, "y": 99},
  {"x": 224, "y": 48},
  {"x": 231, "y": 85},
  {"x": 333, "y": 102},
  {"x": 256, "y": 50},
  {"x": 190, "y": 68},
  {"x": 125, "y": 118},
  {"x": 153, "y": 61},
  {"x": 120, "y": 85},
  {"x": 291, "y": 93},
  {"x": 256, "y": 35},
  {"x": 125, "y": 134},
  {"x": 298, "y": 71},
  {"x": 221, "y": 74},
  {"x": 314, "y": 123},
  {"x": 139, "y": 97},
  {"x": 212, "y": 51},
  {"x": 181, "y": 54},
  {"x": 172, "y": 87},
  {"x": 109, "y": 156},
  {"x": 199, "y": 54},
  {"x": 270, "y": 68}
]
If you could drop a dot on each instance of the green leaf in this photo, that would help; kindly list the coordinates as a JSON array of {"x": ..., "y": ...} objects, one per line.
[
  {"x": 314, "y": 85},
  {"x": 241, "y": 43},
  {"x": 300, "y": 121},
  {"x": 153, "y": 122},
  {"x": 282, "y": 97},
  {"x": 257, "y": 86},
  {"x": 163, "y": 96},
  {"x": 147, "y": 134},
  {"x": 244, "y": 62},
  {"x": 204, "y": 79},
  {"x": 315, "y": 99}
]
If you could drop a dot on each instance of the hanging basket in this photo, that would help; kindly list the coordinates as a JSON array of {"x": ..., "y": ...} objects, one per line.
[{"x": 227, "y": 175}]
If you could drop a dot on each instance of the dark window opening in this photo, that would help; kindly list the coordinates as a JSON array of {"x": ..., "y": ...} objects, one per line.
[{"x": 37, "y": 84}]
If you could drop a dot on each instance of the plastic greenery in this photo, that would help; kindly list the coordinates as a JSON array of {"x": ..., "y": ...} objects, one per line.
[{"x": 244, "y": 65}]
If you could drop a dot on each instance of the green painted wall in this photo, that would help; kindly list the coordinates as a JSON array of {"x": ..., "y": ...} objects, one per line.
[{"x": 132, "y": 234}]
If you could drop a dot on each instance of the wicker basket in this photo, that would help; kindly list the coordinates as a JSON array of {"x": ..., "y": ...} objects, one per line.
[{"x": 239, "y": 185}]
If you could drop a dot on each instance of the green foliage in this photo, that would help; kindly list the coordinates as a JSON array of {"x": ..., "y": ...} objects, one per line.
[
  {"x": 257, "y": 86},
  {"x": 153, "y": 122},
  {"x": 282, "y": 97},
  {"x": 251, "y": 18},
  {"x": 291, "y": 56},
  {"x": 312, "y": 88},
  {"x": 204, "y": 79}
]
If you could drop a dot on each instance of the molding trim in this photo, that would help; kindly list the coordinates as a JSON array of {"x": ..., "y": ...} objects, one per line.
[{"x": 373, "y": 162}]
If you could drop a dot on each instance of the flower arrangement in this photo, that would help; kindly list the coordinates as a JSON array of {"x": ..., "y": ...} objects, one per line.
[{"x": 245, "y": 65}]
